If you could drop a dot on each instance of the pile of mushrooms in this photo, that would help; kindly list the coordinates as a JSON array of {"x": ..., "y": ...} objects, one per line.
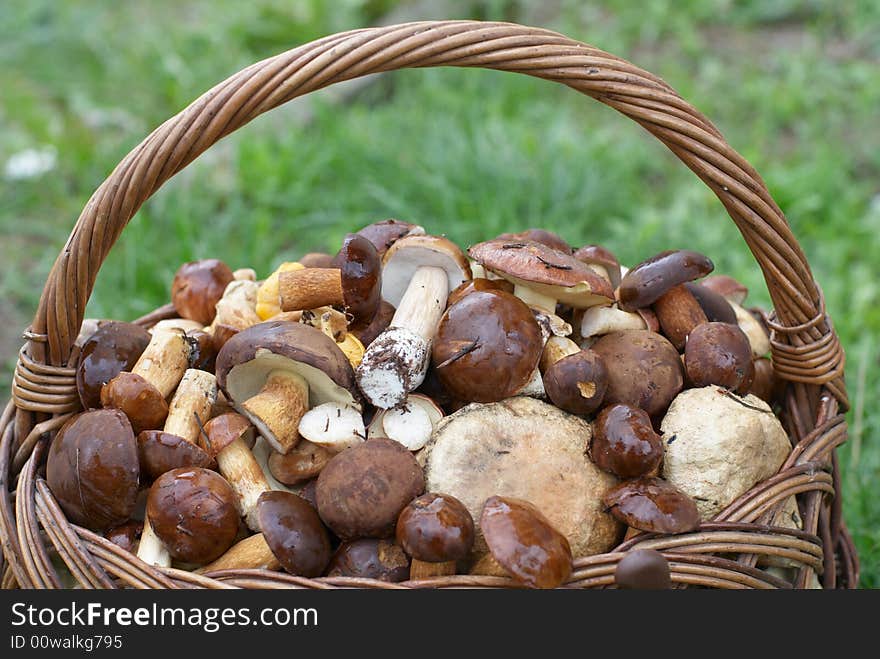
[{"x": 405, "y": 409}]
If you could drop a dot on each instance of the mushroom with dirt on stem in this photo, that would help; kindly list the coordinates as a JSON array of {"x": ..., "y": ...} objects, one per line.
[{"x": 412, "y": 423}]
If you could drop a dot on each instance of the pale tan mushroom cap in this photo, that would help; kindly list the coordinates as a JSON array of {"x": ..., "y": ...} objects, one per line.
[
  {"x": 410, "y": 253},
  {"x": 524, "y": 448}
]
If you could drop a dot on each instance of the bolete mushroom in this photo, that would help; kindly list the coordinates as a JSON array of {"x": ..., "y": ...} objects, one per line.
[
  {"x": 436, "y": 530},
  {"x": 198, "y": 286},
  {"x": 126, "y": 535},
  {"x": 478, "y": 284},
  {"x": 362, "y": 490},
  {"x": 370, "y": 558},
  {"x": 381, "y": 320},
  {"x": 727, "y": 287},
  {"x": 575, "y": 380},
  {"x": 552, "y": 240},
  {"x": 413, "y": 423},
  {"x": 651, "y": 504},
  {"x": 601, "y": 260},
  {"x": 679, "y": 314},
  {"x": 719, "y": 353},
  {"x": 268, "y": 297},
  {"x": 112, "y": 348},
  {"x": 716, "y": 308},
  {"x": 275, "y": 371},
  {"x": 624, "y": 442},
  {"x": 303, "y": 462},
  {"x": 385, "y": 233},
  {"x": 650, "y": 279},
  {"x": 597, "y": 321},
  {"x": 92, "y": 469},
  {"x": 418, "y": 273},
  {"x": 643, "y": 569},
  {"x": 525, "y": 543},
  {"x": 488, "y": 346}
]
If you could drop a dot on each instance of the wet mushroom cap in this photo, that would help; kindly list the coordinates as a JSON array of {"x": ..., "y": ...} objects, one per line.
[
  {"x": 361, "y": 271},
  {"x": 524, "y": 542},
  {"x": 140, "y": 401},
  {"x": 294, "y": 533},
  {"x": 92, "y": 469},
  {"x": 650, "y": 279},
  {"x": 417, "y": 251},
  {"x": 160, "y": 451},
  {"x": 643, "y": 569},
  {"x": 380, "y": 322},
  {"x": 222, "y": 430},
  {"x": 126, "y": 535},
  {"x": 362, "y": 490},
  {"x": 435, "y": 528},
  {"x": 544, "y": 270},
  {"x": 304, "y": 461},
  {"x": 542, "y": 236},
  {"x": 716, "y": 308},
  {"x": 387, "y": 232},
  {"x": 370, "y": 558},
  {"x": 198, "y": 287},
  {"x": 624, "y": 442},
  {"x": 479, "y": 284},
  {"x": 488, "y": 345},
  {"x": 719, "y": 353},
  {"x": 193, "y": 513},
  {"x": 114, "y": 347},
  {"x": 654, "y": 505},
  {"x": 577, "y": 383}
]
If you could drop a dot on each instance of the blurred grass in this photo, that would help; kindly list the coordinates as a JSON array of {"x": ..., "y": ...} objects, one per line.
[{"x": 792, "y": 85}]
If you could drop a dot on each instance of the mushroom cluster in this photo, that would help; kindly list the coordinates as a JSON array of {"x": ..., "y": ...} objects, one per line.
[{"x": 405, "y": 409}]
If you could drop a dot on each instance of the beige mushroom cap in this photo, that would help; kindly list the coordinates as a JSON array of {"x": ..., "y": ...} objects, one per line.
[{"x": 412, "y": 252}]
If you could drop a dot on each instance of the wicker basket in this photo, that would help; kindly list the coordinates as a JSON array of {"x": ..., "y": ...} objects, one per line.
[{"x": 722, "y": 553}]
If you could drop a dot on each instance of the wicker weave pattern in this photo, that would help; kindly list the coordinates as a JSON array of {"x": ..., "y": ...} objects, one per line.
[{"x": 806, "y": 350}]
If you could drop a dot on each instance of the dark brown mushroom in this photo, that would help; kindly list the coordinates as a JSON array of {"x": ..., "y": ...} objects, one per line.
[
  {"x": 654, "y": 505},
  {"x": 644, "y": 369},
  {"x": 192, "y": 511},
  {"x": 598, "y": 256},
  {"x": 362, "y": 490},
  {"x": 204, "y": 349},
  {"x": 552, "y": 240},
  {"x": 387, "y": 232},
  {"x": 141, "y": 402},
  {"x": 381, "y": 320},
  {"x": 479, "y": 284},
  {"x": 766, "y": 385},
  {"x": 524, "y": 542},
  {"x": 719, "y": 353},
  {"x": 436, "y": 530},
  {"x": 487, "y": 347},
  {"x": 126, "y": 535},
  {"x": 370, "y": 558},
  {"x": 624, "y": 442},
  {"x": 577, "y": 383},
  {"x": 643, "y": 569},
  {"x": 198, "y": 287},
  {"x": 678, "y": 313},
  {"x": 716, "y": 308},
  {"x": 92, "y": 469},
  {"x": 114, "y": 347},
  {"x": 304, "y": 461},
  {"x": 160, "y": 451},
  {"x": 646, "y": 282}
]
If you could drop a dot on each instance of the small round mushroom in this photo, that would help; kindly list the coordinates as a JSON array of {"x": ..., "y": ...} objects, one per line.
[
  {"x": 487, "y": 346},
  {"x": 643, "y": 569},
  {"x": 624, "y": 442},
  {"x": 577, "y": 383},
  {"x": 362, "y": 490},
  {"x": 192, "y": 512},
  {"x": 436, "y": 530},
  {"x": 198, "y": 287},
  {"x": 678, "y": 313},
  {"x": 719, "y": 353},
  {"x": 644, "y": 371},
  {"x": 92, "y": 469},
  {"x": 292, "y": 537},
  {"x": 370, "y": 558},
  {"x": 525, "y": 543},
  {"x": 654, "y": 505},
  {"x": 597, "y": 257},
  {"x": 385, "y": 233},
  {"x": 652, "y": 278},
  {"x": 303, "y": 462},
  {"x": 552, "y": 240},
  {"x": 113, "y": 347}
]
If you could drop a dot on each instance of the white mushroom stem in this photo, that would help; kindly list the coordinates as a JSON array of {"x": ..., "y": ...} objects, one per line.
[
  {"x": 556, "y": 348},
  {"x": 191, "y": 405},
  {"x": 250, "y": 553},
  {"x": 165, "y": 360},
  {"x": 151, "y": 550},
  {"x": 396, "y": 362},
  {"x": 244, "y": 274},
  {"x": 333, "y": 426},
  {"x": 238, "y": 466},
  {"x": 184, "y": 324},
  {"x": 409, "y": 425},
  {"x": 278, "y": 408},
  {"x": 237, "y": 307},
  {"x": 534, "y": 299},
  {"x": 604, "y": 320}
]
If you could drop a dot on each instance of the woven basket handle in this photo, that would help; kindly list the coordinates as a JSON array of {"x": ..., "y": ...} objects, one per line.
[{"x": 805, "y": 347}]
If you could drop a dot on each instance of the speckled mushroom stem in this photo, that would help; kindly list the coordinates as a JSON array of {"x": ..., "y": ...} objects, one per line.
[
  {"x": 191, "y": 405},
  {"x": 151, "y": 550},
  {"x": 280, "y": 405},
  {"x": 165, "y": 360},
  {"x": 250, "y": 553}
]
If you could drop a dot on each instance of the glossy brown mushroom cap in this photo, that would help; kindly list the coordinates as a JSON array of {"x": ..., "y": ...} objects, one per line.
[
  {"x": 304, "y": 461},
  {"x": 92, "y": 469},
  {"x": 577, "y": 383},
  {"x": 222, "y": 430},
  {"x": 598, "y": 255},
  {"x": 624, "y": 442},
  {"x": 650, "y": 279},
  {"x": 385, "y": 233},
  {"x": 715, "y": 306},
  {"x": 370, "y": 558},
  {"x": 435, "y": 528},
  {"x": 198, "y": 287},
  {"x": 380, "y": 322},
  {"x": 644, "y": 369},
  {"x": 552, "y": 240},
  {"x": 488, "y": 345},
  {"x": 114, "y": 347},
  {"x": 360, "y": 266},
  {"x": 652, "y": 504},
  {"x": 294, "y": 533},
  {"x": 126, "y": 535},
  {"x": 362, "y": 490},
  {"x": 140, "y": 401},
  {"x": 719, "y": 353},
  {"x": 524, "y": 542},
  {"x": 160, "y": 451},
  {"x": 193, "y": 513},
  {"x": 478, "y": 284},
  {"x": 643, "y": 569}
]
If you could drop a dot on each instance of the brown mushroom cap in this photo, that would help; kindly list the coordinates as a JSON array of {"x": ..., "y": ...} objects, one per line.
[
  {"x": 727, "y": 287},
  {"x": 387, "y": 232},
  {"x": 141, "y": 402},
  {"x": 114, "y": 347},
  {"x": 766, "y": 385},
  {"x": 380, "y": 322},
  {"x": 361, "y": 270},
  {"x": 362, "y": 490},
  {"x": 624, "y": 442},
  {"x": 719, "y": 353},
  {"x": 126, "y": 535},
  {"x": 646, "y": 371},
  {"x": 435, "y": 528},
  {"x": 650, "y": 279},
  {"x": 92, "y": 469},
  {"x": 370, "y": 558},
  {"x": 222, "y": 430},
  {"x": 160, "y": 451},
  {"x": 478, "y": 284},
  {"x": 552, "y": 240},
  {"x": 598, "y": 255},
  {"x": 544, "y": 270},
  {"x": 294, "y": 533},
  {"x": 302, "y": 462},
  {"x": 716, "y": 308},
  {"x": 316, "y": 260},
  {"x": 193, "y": 513},
  {"x": 577, "y": 383},
  {"x": 198, "y": 287},
  {"x": 204, "y": 349},
  {"x": 643, "y": 569},
  {"x": 487, "y": 346},
  {"x": 654, "y": 505},
  {"x": 524, "y": 542},
  {"x": 415, "y": 251}
]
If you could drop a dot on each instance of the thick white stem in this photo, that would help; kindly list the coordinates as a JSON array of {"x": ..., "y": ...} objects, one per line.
[
  {"x": 423, "y": 302},
  {"x": 191, "y": 405},
  {"x": 151, "y": 550},
  {"x": 165, "y": 360}
]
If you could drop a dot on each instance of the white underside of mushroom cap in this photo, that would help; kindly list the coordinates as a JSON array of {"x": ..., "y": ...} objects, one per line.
[
  {"x": 604, "y": 320},
  {"x": 333, "y": 426},
  {"x": 395, "y": 363},
  {"x": 398, "y": 270},
  {"x": 409, "y": 425}
]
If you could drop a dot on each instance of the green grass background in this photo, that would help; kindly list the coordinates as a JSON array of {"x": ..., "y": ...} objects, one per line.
[{"x": 793, "y": 85}]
